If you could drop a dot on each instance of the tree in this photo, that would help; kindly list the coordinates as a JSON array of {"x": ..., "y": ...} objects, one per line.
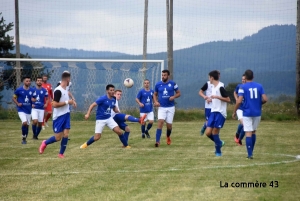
[
  {"x": 6, "y": 41},
  {"x": 230, "y": 89}
]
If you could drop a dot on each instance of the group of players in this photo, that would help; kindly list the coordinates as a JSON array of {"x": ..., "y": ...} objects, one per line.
[{"x": 249, "y": 99}]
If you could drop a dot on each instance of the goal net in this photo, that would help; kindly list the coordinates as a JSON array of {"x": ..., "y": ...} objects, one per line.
[{"x": 89, "y": 79}]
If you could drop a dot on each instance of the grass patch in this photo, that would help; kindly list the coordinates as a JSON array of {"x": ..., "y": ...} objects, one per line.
[{"x": 185, "y": 170}]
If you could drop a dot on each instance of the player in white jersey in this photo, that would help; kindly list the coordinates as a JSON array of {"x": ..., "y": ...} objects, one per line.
[
  {"x": 61, "y": 116},
  {"x": 218, "y": 114}
]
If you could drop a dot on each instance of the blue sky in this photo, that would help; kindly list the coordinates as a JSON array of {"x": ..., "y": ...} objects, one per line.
[{"x": 117, "y": 25}]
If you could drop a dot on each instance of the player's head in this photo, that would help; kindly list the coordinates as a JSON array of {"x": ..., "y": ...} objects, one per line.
[
  {"x": 249, "y": 75},
  {"x": 39, "y": 81},
  {"x": 27, "y": 81},
  {"x": 165, "y": 75},
  {"x": 243, "y": 79},
  {"x": 66, "y": 77},
  {"x": 146, "y": 84},
  {"x": 110, "y": 90},
  {"x": 45, "y": 78},
  {"x": 118, "y": 94},
  {"x": 213, "y": 75}
]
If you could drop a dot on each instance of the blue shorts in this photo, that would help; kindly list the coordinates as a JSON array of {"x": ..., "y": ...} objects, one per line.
[
  {"x": 207, "y": 113},
  {"x": 215, "y": 120},
  {"x": 61, "y": 123},
  {"x": 120, "y": 120}
]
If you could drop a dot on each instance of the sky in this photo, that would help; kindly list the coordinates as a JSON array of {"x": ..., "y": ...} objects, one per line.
[{"x": 118, "y": 25}]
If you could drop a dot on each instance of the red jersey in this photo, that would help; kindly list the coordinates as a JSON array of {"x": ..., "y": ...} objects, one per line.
[{"x": 48, "y": 86}]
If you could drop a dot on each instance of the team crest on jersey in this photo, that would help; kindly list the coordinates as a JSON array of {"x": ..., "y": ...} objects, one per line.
[
  {"x": 151, "y": 93},
  {"x": 30, "y": 93},
  {"x": 26, "y": 99},
  {"x": 169, "y": 85},
  {"x": 41, "y": 92}
]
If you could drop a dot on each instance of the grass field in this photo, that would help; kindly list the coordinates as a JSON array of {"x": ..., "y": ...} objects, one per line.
[{"x": 185, "y": 170}]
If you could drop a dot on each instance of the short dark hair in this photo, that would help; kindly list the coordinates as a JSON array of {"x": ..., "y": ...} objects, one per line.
[
  {"x": 215, "y": 74},
  {"x": 249, "y": 74},
  {"x": 65, "y": 74},
  {"x": 117, "y": 90},
  {"x": 146, "y": 80},
  {"x": 26, "y": 77},
  {"x": 109, "y": 86},
  {"x": 166, "y": 71},
  {"x": 39, "y": 77}
]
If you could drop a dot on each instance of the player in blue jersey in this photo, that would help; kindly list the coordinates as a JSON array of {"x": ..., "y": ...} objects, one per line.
[
  {"x": 164, "y": 95},
  {"x": 23, "y": 97},
  {"x": 253, "y": 95},
  {"x": 145, "y": 100},
  {"x": 38, "y": 108},
  {"x": 121, "y": 118},
  {"x": 218, "y": 113},
  {"x": 240, "y": 133},
  {"x": 105, "y": 104},
  {"x": 61, "y": 116}
]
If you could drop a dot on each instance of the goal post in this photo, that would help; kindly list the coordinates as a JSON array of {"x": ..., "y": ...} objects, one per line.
[{"x": 88, "y": 76}]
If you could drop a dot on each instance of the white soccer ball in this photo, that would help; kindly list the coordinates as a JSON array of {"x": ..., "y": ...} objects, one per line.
[{"x": 128, "y": 82}]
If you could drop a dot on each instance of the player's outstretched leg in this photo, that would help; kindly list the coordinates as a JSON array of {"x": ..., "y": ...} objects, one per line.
[
  {"x": 218, "y": 144},
  {"x": 45, "y": 143},
  {"x": 202, "y": 131},
  {"x": 237, "y": 134},
  {"x": 94, "y": 138},
  {"x": 149, "y": 126}
]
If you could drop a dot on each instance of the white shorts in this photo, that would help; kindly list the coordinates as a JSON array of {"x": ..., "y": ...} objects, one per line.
[
  {"x": 37, "y": 114},
  {"x": 239, "y": 114},
  {"x": 150, "y": 116},
  {"x": 24, "y": 117},
  {"x": 251, "y": 123},
  {"x": 166, "y": 113},
  {"x": 110, "y": 122}
]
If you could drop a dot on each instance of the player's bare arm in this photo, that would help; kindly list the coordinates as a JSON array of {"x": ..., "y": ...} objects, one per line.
[
  {"x": 177, "y": 95},
  {"x": 116, "y": 110},
  {"x": 47, "y": 102},
  {"x": 87, "y": 115},
  {"x": 60, "y": 104},
  {"x": 264, "y": 98},
  {"x": 16, "y": 102},
  {"x": 237, "y": 105},
  {"x": 156, "y": 103},
  {"x": 138, "y": 102}
]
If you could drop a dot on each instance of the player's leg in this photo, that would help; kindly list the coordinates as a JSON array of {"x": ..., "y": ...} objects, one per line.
[
  {"x": 150, "y": 118},
  {"x": 248, "y": 128},
  {"x": 207, "y": 113},
  {"x": 99, "y": 126},
  {"x": 127, "y": 131},
  {"x": 219, "y": 123},
  {"x": 143, "y": 125},
  {"x": 242, "y": 133},
  {"x": 40, "y": 122},
  {"x": 34, "y": 115},
  {"x": 58, "y": 129},
  {"x": 169, "y": 121},
  {"x": 48, "y": 114},
  {"x": 256, "y": 121},
  {"x": 120, "y": 119},
  {"x": 240, "y": 130},
  {"x": 24, "y": 128},
  {"x": 134, "y": 119},
  {"x": 65, "y": 136},
  {"x": 210, "y": 125},
  {"x": 114, "y": 126},
  {"x": 161, "y": 115}
]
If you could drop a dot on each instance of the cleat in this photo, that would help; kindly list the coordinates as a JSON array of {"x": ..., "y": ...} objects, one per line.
[
  {"x": 223, "y": 143},
  {"x": 168, "y": 140},
  {"x": 35, "y": 138},
  {"x": 83, "y": 146},
  {"x": 24, "y": 142},
  {"x": 143, "y": 135},
  {"x": 42, "y": 147},
  {"x": 43, "y": 127},
  {"x": 46, "y": 124},
  {"x": 202, "y": 131},
  {"x": 147, "y": 134},
  {"x": 236, "y": 140},
  {"x": 61, "y": 156},
  {"x": 250, "y": 157},
  {"x": 141, "y": 121},
  {"x": 218, "y": 154},
  {"x": 128, "y": 147},
  {"x": 157, "y": 144},
  {"x": 240, "y": 143}
]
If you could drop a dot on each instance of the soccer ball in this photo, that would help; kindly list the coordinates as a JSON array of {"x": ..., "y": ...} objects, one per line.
[{"x": 128, "y": 82}]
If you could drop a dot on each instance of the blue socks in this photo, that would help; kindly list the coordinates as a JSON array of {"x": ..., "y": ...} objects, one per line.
[
  {"x": 249, "y": 146},
  {"x": 169, "y": 132},
  {"x": 34, "y": 130},
  {"x": 158, "y": 134},
  {"x": 123, "y": 140},
  {"x": 242, "y": 134},
  {"x": 133, "y": 119},
  {"x": 218, "y": 143},
  {"x": 204, "y": 126},
  {"x": 143, "y": 128},
  {"x": 253, "y": 141},
  {"x": 211, "y": 137},
  {"x": 239, "y": 128},
  {"x": 50, "y": 140},
  {"x": 126, "y": 135},
  {"x": 149, "y": 126},
  {"x": 90, "y": 141},
  {"x": 63, "y": 145},
  {"x": 38, "y": 130},
  {"x": 24, "y": 131}
]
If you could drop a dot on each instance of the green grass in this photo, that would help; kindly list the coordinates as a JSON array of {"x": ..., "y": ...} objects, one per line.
[{"x": 185, "y": 170}]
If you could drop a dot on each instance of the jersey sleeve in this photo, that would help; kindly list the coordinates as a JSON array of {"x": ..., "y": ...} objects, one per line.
[
  {"x": 139, "y": 95},
  {"x": 241, "y": 91},
  {"x": 204, "y": 87},
  {"x": 57, "y": 95},
  {"x": 156, "y": 88},
  {"x": 99, "y": 100},
  {"x": 237, "y": 89},
  {"x": 46, "y": 93},
  {"x": 223, "y": 92},
  {"x": 33, "y": 93},
  {"x": 175, "y": 86}
]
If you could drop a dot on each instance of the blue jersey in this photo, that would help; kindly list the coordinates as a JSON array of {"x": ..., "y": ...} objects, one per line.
[
  {"x": 237, "y": 92},
  {"x": 40, "y": 94},
  {"x": 252, "y": 93},
  {"x": 24, "y": 96},
  {"x": 165, "y": 90},
  {"x": 146, "y": 97},
  {"x": 105, "y": 105}
]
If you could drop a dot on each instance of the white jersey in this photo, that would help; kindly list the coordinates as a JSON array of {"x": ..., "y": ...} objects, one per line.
[
  {"x": 218, "y": 105},
  {"x": 112, "y": 111},
  {"x": 68, "y": 87},
  {"x": 208, "y": 94},
  {"x": 64, "y": 109}
]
